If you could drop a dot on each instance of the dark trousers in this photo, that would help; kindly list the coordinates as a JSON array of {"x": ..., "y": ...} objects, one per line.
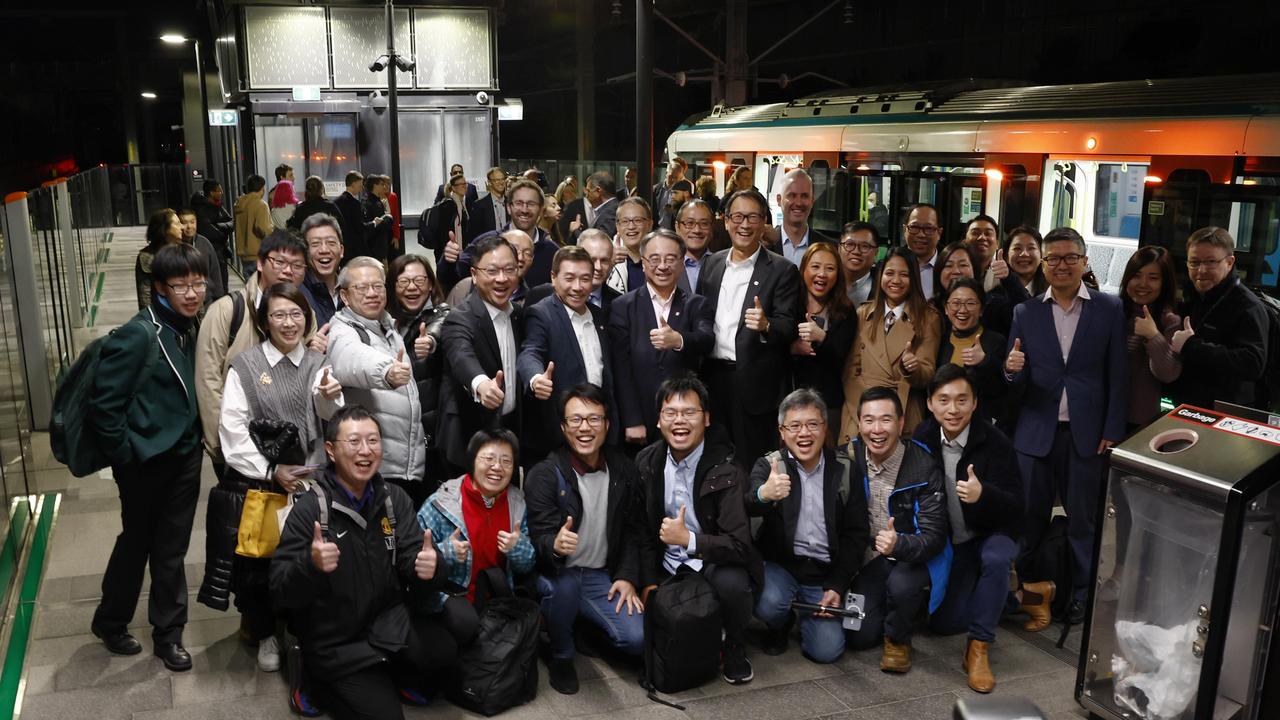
[
  {"x": 894, "y": 592},
  {"x": 753, "y": 435},
  {"x": 417, "y": 489},
  {"x": 977, "y": 589},
  {"x": 157, "y": 508},
  {"x": 733, "y": 589},
  {"x": 1077, "y": 480}
]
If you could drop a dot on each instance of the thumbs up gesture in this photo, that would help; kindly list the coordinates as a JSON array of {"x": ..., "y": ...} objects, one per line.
[
  {"x": 492, "y": 392},
  {"x": 461, "y": 548},
  {"x": 452, "y": 249},
  {"x": 324, "y": 554},
  {"x": 400, "y": 372},
  {"x": 424, "y": 565},
  {"x": 886, "y": 540},
  {"x": 1016, "y": 360},
  {"x": 968, "y": 489},
  {"x": 999, "y": 268},
  {"x": 755, "y": 319},
  {"x": 1181, "y": 337},
  {"x": 778, "y": 485},
  {"x": 320, "y": 341},
  {"x": 909, "y": 360},
  {"x": 673, "y": 530},
  {"x": 507, "y": 541},
  {"x": 973, "y": 355},
  {"x": 542, "y": 383},
  {"x": 424, "y": 343},
  {"x": 566, "y": 542},
  {"x": 575, "y": 224},
  {"x": 810, "y": 331},
  {"x": 664, "y": 338},
  {"x": 330, "y": 388}
]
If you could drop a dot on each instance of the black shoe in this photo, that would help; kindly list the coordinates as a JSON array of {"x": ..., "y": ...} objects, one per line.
[
  {"x": 173, "y": 656},
  {"x": 563, "y": 676},
  {"x": 1075, "y": 612},
  {"x": 736, "y": 667},
  {"x": 120, "y": 643},
  {"x": 775, "y": 640}
]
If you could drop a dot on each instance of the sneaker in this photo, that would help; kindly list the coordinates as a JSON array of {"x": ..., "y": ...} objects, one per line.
[
  {"x": 410, "y": 696},
  {"x": 300, "y": 704},
  {"x": 269, "y": 654},
  {"x": 736, "y": 667}
]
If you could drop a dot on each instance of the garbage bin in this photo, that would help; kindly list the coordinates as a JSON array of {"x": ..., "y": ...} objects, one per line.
[{"x": 1185, "y": 586}]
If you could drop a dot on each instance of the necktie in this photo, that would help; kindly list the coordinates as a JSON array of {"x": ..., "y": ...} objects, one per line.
[{"x": 889, "y": 319}]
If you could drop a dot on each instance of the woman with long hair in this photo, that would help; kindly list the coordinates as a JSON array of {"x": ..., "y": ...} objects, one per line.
[
  {"x": 739, "y": 179},
  {"x": 1022, "y": 252},
  {"x": 827, "y": 333},
  {"x": 1149, "y": 292}
]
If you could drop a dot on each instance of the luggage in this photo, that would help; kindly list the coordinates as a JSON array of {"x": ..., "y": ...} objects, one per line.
[{"x": 681, "y": 634}]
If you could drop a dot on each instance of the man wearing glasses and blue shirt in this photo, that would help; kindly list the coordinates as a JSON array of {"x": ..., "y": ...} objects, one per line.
[{"x": 923, "y": 232}]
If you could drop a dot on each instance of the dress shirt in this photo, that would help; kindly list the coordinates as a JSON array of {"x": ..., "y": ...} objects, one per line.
[
  {"x": 233, "y": 424},
  {"x": 588, "y": 344},
  {"x": 811, "y": 527},
  {"x": 926, "y": 276},
  {"x": 792, "y": 252},
  {"x": 677, "y": 491},
  {"x": 692, "y": 268},
  {"x": 596, "y": 297},
  {"x": 733, "y": 290},
  {"x": 881, "y": 479},
  {"x": 593, "y": 212},
  {"x": 951, "y": 452},
  {"x": 507, "y": 348},
  {"x": 860, "y": 289},
  {"x": 1065, "y": 323},
  {"x": 898, "y": 313},
  {"x": 499, "y": 212}
]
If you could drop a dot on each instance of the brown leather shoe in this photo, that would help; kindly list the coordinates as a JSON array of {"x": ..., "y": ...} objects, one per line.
[
  {"x": 895, "y": 658},
  {"x": 1039, "y": 612},
  {"x": 979, "y": 669}
]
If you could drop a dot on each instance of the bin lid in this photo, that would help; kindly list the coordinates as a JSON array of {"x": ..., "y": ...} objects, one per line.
[{"x": 1204, "y": 450}]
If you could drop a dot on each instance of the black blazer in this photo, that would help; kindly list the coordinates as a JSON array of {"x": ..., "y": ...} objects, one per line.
[
  {"x": 823, "y": 370},
  {"x": 545, "y": 290},
  {"x": 353, "y": 226},
  {"x": 682, "y": 281},
  {"x": 480, "y": 220},
  {"x": 994, "y": 393},
  {"x": 1000, "y": 507},
  {"x": 638, "y": 369},
  {"x": 997, "y": 309},
  {"x": 468, "y": 200},
  {"x": 470, "y": 349},
  {"x": 762, "y": 366},
  {"x": 576, "y": 208}
]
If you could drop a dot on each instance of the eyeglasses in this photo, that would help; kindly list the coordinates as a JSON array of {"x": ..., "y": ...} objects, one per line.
[
  {"x": 662, "y": 260},
  {"x": 632, "y": 222},
  {"x": 812, "y": 426},
  {"x": 329, "y": 242},
  {"x": 1071, "y": 259},
  {"x": 976, "y": 233},
  {"x": 691, "y": 224},
  {"x": 575, "y": 421},
  {"x": 751, "y": 218},
  {"x": 852, "y": 247},
  {"x": 958, "y": 305},
  {"x": 280, "y": 316},
  {"x": 366, "y": 288},
  {"x": 917, "y": 229},
  {"x": 493, "y": 272},
  {"x": 280, "y": 264},
  {"x": 355, "y": 443},
  {"x": 1197, "y": 264},
  {"x": 525, "y": 204},
  {"x": 419, "y": 282},
  {"x": 670, "y": 414},
  {"x": 504, "y": 462},
  {"x": 198, "y": 287}
]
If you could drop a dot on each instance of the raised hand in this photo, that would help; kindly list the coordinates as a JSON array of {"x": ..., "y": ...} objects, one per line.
[
  {"x": 909, "y": 360},
  {"x": 1181, "y": 337},
  {"x": 424, "y": 344},
  {"x": 778, "y": 485},
  {"x": 626, "y": 593},
  {"x": 461, "y": 548},
  {"x": 811, "y": 331},
  {"x": 969, "y": 489},
  {"x": 999, "y": 268},
  {"x": 566, "y": 542},
  {"x": 507, "y": 541},
  {"x": 424, "y": 565},
  {"x": 492, "y": 392},
  {"x": 973, "y": 355},
  {"x": 886, "y": 540},
  {"x": 452, "y": 249},
  {"x": 674, "y": 531},
  {"x": 664, "y": 338},
  {"x": 400, "y": 372},
  {"x": 636, "y": 434},
  {"x": 542, "y": 383},
  {"x": 330, "y": 388},
  {"x": 575, "y": 224},
  {"x": 754, "y": 318},
  {"x": 1017, "y": 360},
  {"x": 324, "y": 554},
  {"x": 1144, "y": 325},
  {"x": 320, "y": 341}
]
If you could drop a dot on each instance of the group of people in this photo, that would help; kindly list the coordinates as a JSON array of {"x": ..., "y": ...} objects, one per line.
[{"x": 592, "y": 418}]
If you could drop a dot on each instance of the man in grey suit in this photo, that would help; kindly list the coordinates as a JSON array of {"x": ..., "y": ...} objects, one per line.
[{"x": 597, "y": 208}]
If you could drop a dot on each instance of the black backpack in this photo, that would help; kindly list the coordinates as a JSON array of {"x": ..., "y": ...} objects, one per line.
[
  {"x": 499, "y": 669},
  {"x": 1269, "y": 387},
  {"x": 1052, "y": 560},
  {"x": 681, "y": 634}
]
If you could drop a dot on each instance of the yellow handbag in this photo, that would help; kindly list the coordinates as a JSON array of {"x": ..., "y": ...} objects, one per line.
[{"x": 259, "y": 532}]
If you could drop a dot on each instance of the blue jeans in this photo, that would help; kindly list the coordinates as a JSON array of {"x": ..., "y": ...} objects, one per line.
[
  {"x": 584, "y": 592},
  {"x": 821, "y": 639},
  {"x": 978, "y": 588}
]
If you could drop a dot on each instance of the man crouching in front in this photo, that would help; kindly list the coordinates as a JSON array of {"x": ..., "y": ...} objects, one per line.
[{"x": 347, "y": 551}]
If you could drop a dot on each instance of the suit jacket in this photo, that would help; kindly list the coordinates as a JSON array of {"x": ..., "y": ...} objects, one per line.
[
  {"x": 874, "y": 362},
  {"x": 1095, "y": 375},
  {"x": 544, "y": 250},
  {"x": 1001, "y": 506},
  {"x": 576, "y": 208},
  {"x": 481, "y": 219},
  {"x": 468, "y": 200},
  {"x": 470, "y": 349},
  {"x": 545, "y": 290},
  {"x": 682, "y": 281},
  {"x": 351, "y": 220},
  {"x": 638, "y": 368}
]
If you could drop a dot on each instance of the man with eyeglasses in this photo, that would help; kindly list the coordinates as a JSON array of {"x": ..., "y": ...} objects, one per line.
[
  {"x": 694, "y": 515},
  {"x": 859, "y": 244},
  {"x": 583, "y": 524},
  {"x": 796, "y": 199},
  {"x": 597, "y": 208},
  {"x": 523, "y": 245},
  {"x": 635, "y": 220},
  {"x": 657, "y": 331},
  {"x": 228, "y": 329},
  {"x": 322, "y": 234},
  {"x": 565, "y": 345},
  {"x": 490, "y": 211},
  {"x": 144, "y": 416},
  {"x": 922, "y": 232},
  {"x": 370, "y": 361},
  {"x": 814, "y": 532},
  {"x": 1223, "y": 339},
  {"x": 694, "y": 225},
  {"x": 471, "y": 195},
  {"x": 1069, "y": 359},
  {"x": 754, "y": 296},
  {"x": 524, "y": 208}
]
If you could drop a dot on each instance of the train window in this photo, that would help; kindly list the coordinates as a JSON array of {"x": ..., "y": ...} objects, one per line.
[
  {"x": 830, "y": 198},
  {"x": 1117, "y": 208}
]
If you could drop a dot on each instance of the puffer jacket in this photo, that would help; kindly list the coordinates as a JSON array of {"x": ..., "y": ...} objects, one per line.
[
  {"x": 442, "y": 515},
  {"x": 222, "y": 531},
  {"x": 360, "y": 351}
]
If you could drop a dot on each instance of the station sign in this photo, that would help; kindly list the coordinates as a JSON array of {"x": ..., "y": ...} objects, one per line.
[{"x": 220, "y": 118}]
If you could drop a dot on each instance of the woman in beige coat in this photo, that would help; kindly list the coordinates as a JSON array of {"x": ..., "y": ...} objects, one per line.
[{"x": 901, "y": 356}]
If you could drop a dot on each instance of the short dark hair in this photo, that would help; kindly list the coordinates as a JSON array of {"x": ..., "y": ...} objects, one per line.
[
  {"x": 683, "y": 384},
  {"x": 570, "y": 253},
  {"x": 177, "y": 260},
  {"x": 320, "y": 219},
  {"x": 880, "y": 393},
  {"x": 751, "y": 194},
  {"x": 965, "y": 282},
  {"x": 666, "y": 235},
  {"x": 861, "y": 226},
  {"x": 1064, "y": 234},
  {"x": 912, "y": 208},
  {"x": 284, "y": 291},
  {"x": 604, "y": 181},
  {"x": 984, "y": 218},
  {"x": 184, "y": 212},
  {"x": 350, "y": 412},
  {"x": 254, "y": 183},
  {"x": 281, "y": 241},
  {"x": 1021, "y": 230},
  {"x": 485, "y": 436},
  {"x": 949, "y": 373},
  {"x": 585, "y": 392},
  {"x": 210, "y": 185},
  {"x": 314, "y": 187},
  {"x": 282, "y": 170},
  {"x": 486, "y": 244},
  {"x": 353, "y": 177},
  {"x": 695, "y": 203},
  {"x": 639, "y": 202}
]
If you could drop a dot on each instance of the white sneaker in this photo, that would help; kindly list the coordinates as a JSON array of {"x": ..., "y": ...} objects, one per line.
[{"x": 269, "y": 654}]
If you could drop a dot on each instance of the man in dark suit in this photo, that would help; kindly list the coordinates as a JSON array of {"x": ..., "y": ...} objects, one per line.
[
  {"x": 597, "y": 208},
  {"x": 657, "y": 331},
  {"x": 694, "y": 225},
  {"x": 754, "y": 296},
  {"x": 524, "y": 207},
  {"x": 489, "y": 213},
  {"x": 351, "y": 218},
  {"x": 471, "y": 196},
  {"x": 481, "y": 341},
  {"x": 565, "y": 345},
  {"x": 1067, "y": 352}
]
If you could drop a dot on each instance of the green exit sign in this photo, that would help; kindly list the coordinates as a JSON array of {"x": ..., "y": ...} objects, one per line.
[{"x": 219, "y": 118}]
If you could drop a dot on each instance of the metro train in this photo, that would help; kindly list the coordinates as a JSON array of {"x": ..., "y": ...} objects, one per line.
[{"x": 1124, "y": 163}]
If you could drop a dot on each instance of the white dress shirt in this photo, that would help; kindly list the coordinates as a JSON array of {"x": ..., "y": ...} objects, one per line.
[
  {"x": 733, "y": 290},
  {"x": 588, "y": 344},
  {"x": 507, "y": 348}
]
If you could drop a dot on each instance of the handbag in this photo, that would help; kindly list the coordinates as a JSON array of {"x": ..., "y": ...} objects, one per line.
[
  {"x": 259, "y": 532},
  {"x": 278, "y": 441}
]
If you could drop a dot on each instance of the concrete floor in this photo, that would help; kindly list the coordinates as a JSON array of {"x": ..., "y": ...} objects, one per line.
[{"x": 70, "y": 675}]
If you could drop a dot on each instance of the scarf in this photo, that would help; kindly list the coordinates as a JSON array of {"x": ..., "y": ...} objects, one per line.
[{"x": 483, "y": 520}]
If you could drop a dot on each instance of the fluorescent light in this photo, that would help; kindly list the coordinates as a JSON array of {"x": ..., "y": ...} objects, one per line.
[
  {"x": 994, "y": 174},
  {"x": 149, "y": 95},
  {"x": 173, "y": 38}
]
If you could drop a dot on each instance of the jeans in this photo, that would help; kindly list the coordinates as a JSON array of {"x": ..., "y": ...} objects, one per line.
[
  {"x": 978, "y": 589},
  {"x": 894, "y": 592},
  {"x": 821, "y": 639},
  {"x": 584, "y": 592}
]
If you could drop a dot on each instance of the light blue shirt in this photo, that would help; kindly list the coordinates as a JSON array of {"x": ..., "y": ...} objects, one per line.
[
  {"x": 678, "y": 491},
  {"x": 811, "y": 526},
  {"x": 692, "y": 268},
  {"x": 792, "y": 252}
]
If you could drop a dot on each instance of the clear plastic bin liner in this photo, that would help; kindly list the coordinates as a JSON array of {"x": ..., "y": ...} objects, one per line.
[{"x": 1154, "y": 675}]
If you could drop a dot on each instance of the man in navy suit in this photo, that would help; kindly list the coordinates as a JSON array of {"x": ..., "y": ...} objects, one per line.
[
  {"x": 1067, "y": 351},
  {"x": 693, "y": 225},
  {"x": 657, "y": 331},
  {"x": 565, "y": 345}
]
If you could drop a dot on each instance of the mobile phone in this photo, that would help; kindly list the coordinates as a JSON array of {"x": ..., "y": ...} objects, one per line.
[{"x": 304, "y": 470}]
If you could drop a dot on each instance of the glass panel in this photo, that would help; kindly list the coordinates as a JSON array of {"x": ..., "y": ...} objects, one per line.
[
  {"x": 1253, "y": 602},
  {"x": 279, "y": 140},
  {"x": 421, "y": 160},
  {"x": 830, "y": 198},
  {"x": 287, "y": 47},
  {"x": 333, "y": 148},
  {"x": 1255, "y": 224},
  {"x": 466, "y": 141},
  {"x": 873, "y": 195},
  {"x": 454, "y": 48},
  {"x": 1117, "y": 209},
  {"x": 359, "y": 36}
]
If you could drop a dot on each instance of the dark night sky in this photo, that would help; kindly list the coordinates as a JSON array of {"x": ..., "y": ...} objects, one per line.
[{"x": 62, "y": 89}]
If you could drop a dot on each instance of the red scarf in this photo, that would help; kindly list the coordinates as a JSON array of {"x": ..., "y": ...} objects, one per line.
[{"x": 483, "y": 524}]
